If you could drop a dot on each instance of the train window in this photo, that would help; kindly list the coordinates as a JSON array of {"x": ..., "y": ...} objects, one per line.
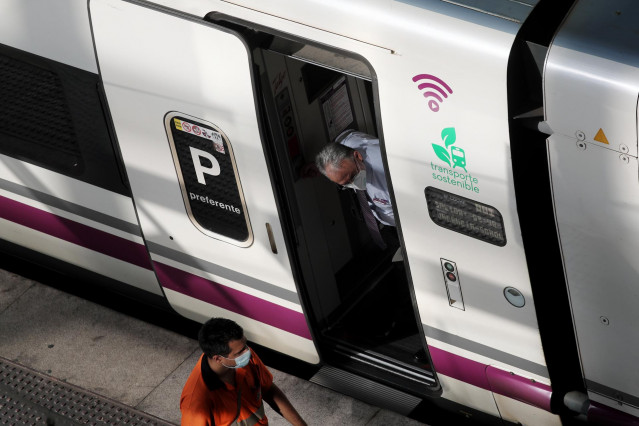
[
  {"x": 51, "y": 116},
  {"x": 201, "y": 151}
]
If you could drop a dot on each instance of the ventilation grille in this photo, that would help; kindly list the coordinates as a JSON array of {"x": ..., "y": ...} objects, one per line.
[
  {"x": 30, "y": 398},
  {"x": 35, "y": 120}
]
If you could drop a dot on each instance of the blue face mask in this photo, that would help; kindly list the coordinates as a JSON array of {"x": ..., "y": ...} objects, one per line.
[{"x": 241, "y": 361}]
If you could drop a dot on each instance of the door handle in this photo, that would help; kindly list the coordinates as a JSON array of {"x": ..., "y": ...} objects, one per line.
[{"x": 271, "y": 238}]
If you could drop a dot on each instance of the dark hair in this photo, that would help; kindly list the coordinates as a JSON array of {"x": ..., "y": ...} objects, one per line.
[
  {"x": 215, "y": 335},
  {"x": 332, "y": 154}
]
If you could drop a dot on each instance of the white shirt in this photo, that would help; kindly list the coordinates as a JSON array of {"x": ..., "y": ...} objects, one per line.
[{"x": 376, "y": 187}]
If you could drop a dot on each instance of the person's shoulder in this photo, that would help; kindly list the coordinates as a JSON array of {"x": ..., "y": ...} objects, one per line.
[
  {"x": 357, "y": 139},
  {"x": 195, "y": 400},
  {"x": 196, "y": 373},
  {"x": 195, "y": 386}
]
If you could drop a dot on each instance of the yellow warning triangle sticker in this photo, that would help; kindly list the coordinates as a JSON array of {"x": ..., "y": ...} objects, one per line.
[{"x": 601, "y": 137}]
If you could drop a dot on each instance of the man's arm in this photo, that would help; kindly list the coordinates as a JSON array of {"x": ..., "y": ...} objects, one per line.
[{"x": 280, "y": 403}]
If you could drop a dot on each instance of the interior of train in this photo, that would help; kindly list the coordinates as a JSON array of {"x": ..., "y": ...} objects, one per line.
[{"x": 362, "y": 310}]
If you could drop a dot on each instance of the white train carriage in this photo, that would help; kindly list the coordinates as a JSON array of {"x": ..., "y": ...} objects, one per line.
[{"x": 161, "y": 146}]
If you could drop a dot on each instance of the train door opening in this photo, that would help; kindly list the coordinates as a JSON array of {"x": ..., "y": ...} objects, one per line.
[{"x": 358, "y": 299}]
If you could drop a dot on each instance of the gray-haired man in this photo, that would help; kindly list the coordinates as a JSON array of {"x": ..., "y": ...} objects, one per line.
[{"x": 354, "y": 160}]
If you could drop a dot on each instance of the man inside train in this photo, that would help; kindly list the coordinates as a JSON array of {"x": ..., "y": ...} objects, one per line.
[
  {"x": 354, "y": 161},
  {"x": 229, "y": 382}
]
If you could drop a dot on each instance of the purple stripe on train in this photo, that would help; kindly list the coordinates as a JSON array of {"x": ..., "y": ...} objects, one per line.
[
  {"x": 491, "y": 378},
  {"x": 232, "y": 300},
  {"x": 74, "y": 232},
  {"x": 519, "y": 388}
]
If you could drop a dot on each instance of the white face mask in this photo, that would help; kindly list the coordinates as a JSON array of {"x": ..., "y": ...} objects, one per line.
[
  {"x": 241, "y": 361},
  {"x": 359, "y": 181}
]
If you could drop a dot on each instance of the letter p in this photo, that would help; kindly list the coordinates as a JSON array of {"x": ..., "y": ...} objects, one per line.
[{"x": 200, "y": 170}]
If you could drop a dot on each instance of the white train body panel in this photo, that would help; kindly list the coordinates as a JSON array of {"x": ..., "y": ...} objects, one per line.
[
  {"x": 56, "y": 30},
  {"x": 514, "y": 411},
  {"x": 58, "y": 201}
]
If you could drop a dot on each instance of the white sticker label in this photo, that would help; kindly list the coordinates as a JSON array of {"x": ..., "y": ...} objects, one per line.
[{"x": 196, "y": 130}]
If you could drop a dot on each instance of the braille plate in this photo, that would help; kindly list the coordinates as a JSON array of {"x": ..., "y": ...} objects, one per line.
[{"x": 31, "y": 398}]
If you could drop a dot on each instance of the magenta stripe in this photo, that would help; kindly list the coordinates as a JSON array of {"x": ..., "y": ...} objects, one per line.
[
  {"x": 519, "y": 388},
  {"x": 232, "y": 300},
  {"x": 459, "y": 368},
  {"x": 490, "y": 378},
  {"x": 74, "y": 232}
]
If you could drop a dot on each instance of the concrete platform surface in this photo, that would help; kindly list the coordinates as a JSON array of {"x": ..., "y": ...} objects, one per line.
[{"x": 135, "y": 362}]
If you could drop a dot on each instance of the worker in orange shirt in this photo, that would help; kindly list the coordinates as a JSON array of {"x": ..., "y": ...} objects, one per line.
[{"x": 230, "y": 382}]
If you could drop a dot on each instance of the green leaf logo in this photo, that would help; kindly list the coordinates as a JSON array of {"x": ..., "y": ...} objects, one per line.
[
  {"x": 448, "y": 136},
  {"x": 442, "y": 153}
]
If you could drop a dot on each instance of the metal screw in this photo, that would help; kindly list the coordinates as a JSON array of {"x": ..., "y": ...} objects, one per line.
[
  {"x": 604, "y": 320},
  {"x": 581, "y": 145},
  {"x": 580, "y": 135},
  {"x": 624, "y": 158},
  {"x": 623, "y": 148}
]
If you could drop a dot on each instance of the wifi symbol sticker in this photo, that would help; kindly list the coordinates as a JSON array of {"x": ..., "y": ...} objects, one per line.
[{"x": 435, "y": 91}]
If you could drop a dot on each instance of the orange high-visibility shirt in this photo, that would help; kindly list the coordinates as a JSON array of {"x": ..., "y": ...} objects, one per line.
[{"x": 206, "y": 400}]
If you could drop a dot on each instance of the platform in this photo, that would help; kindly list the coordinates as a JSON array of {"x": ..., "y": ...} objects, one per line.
[{"x": 67, "y": 360}]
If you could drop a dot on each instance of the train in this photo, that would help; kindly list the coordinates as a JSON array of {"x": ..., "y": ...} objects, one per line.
[{"x": 161, "y": 147}]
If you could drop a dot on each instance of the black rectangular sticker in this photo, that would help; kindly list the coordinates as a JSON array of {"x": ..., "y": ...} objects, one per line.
[
  {"x": 468, "y": 217},
  {"x": 210, "y": 185}
]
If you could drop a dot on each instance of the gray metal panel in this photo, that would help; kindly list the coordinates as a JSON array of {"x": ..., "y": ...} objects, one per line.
[
  {"x": 604, "y": 29},
  {"x": 615, "y": 394},
  {"x": 591, "y": 85},
  {"x": 596, "y": 199}
]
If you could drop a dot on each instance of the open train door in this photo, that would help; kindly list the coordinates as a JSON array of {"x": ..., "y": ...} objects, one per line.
[{"x": 182, "y": 101}]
